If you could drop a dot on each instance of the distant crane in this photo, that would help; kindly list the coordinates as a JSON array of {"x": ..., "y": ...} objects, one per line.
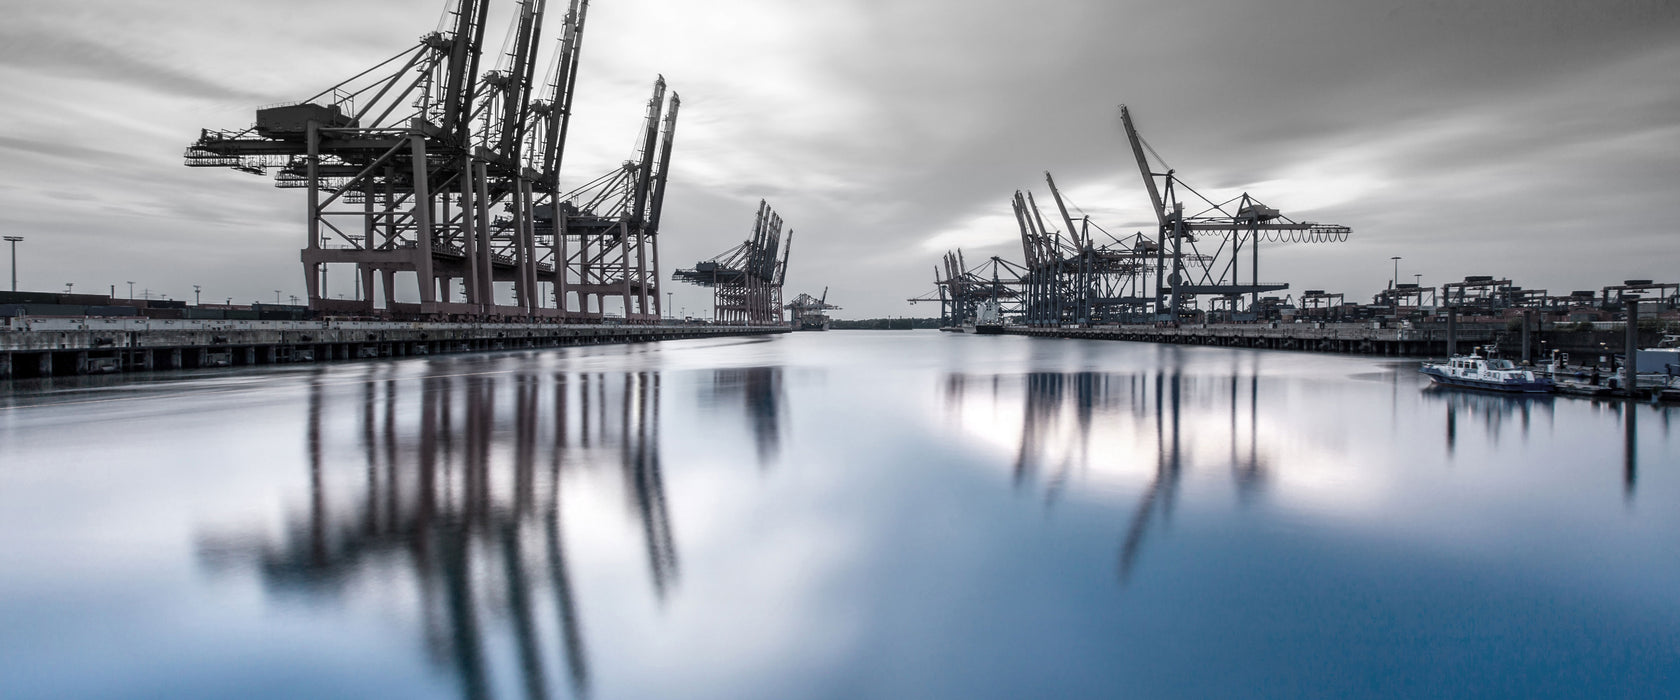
[
  {"x": 746, "y": 280},
  {"x": 1071, "y": 278},
  {"x": 808, "y": 311},
  {"x": 961, "y": 290}
]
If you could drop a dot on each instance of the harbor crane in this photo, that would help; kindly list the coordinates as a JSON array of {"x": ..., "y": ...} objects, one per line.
[
  {"x": 808, "y": 311},
  {"x": 422, "y": 166},
  {"x": 746, "y": 280},
  {"x": 1238, "y": 223},
  {"x": 1074, "y": 279},
  {"x": 961, "y": 290}
]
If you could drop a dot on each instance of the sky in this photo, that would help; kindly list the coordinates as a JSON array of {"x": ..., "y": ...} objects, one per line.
[{"x": 1536, "y": 140}]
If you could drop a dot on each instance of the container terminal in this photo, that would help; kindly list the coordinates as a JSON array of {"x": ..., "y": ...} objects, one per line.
[
  {"x": 433, "y": 195},
  {"x": 1197, "y": 281}
]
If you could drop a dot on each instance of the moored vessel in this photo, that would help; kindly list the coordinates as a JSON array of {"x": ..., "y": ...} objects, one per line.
[
  {"x": 987, "y": 320},
  {"x": 1474, "y": 371},
  {"x": 808, "y": 312}
]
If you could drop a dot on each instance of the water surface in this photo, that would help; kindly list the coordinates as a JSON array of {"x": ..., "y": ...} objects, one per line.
[{"x": 833, "y": 515}]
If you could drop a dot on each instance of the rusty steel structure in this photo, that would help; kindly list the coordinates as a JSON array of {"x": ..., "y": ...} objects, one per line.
[
  {"x": 422, "y": 166},
  {"x": 746, "y": 280}
]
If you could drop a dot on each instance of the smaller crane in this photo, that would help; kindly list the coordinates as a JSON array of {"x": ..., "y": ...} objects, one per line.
[{"x": 808, "y": 312}]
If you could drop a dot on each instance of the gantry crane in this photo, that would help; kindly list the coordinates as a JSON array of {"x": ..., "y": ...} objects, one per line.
[
  {"x": 746, "y": 280},
  {"x": 421, "y": 165},
  {"x": 808, "y": 311},
  {"x": 962, "y": 291},
  {"x": 1236, "y": 223},
  {"x": 1074, "y": 279}
]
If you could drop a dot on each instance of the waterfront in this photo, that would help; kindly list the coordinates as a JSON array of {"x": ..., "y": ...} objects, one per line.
[{"x": 842, "y": 514}]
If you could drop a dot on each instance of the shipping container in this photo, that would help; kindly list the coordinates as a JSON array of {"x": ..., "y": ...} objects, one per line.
[
  {"x": 49, "y": 309},
  {"x": 164, "y": 313},
  {"x": 28, "y": 298}
]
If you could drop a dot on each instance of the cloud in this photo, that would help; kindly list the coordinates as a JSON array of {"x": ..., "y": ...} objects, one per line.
[
  {"x": 883, "y": 131},
  {"x": 77, "y": 57}
]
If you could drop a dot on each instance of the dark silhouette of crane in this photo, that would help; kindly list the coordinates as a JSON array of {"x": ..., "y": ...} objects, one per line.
[
  {"x": 746, "y": 280},
  {"x": 420, "y": 165},
  {"x": 1238, "y": 223}
]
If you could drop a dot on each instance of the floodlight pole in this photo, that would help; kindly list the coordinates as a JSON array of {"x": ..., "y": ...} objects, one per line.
[{"x": 14, "y": 241}]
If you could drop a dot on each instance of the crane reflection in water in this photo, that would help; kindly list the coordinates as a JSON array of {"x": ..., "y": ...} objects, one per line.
[
  {"x": 1065, "y": 416},
  {"x": 457, "y": 488}
]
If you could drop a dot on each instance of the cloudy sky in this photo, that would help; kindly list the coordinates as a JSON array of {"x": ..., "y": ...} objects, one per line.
[{"x": 1534, "y": 139}]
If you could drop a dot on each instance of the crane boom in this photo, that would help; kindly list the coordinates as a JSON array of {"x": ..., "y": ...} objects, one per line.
[
  {"x": 1057, "y": 194},
  {"x": 663, "y": 174},
  {"x": 1143, "y": 166}
]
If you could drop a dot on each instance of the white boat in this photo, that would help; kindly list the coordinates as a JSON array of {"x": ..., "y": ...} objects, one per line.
[
  {"x": 1474, "y": 371},
  {"x": 1663, "y": 359}
]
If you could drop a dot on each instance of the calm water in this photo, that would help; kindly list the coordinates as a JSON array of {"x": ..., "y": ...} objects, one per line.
[{"x": 838, "y": 515}]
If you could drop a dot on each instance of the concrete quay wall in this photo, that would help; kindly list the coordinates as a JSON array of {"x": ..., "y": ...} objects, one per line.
[
  {"x": 44, "y": 347},
  {"x": 1360, "y": 338}
]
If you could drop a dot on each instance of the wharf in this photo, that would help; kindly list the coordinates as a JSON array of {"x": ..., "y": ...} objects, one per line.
[
  {"x": 44, "y": 347},
  {"x": 1418, "y": 340}
]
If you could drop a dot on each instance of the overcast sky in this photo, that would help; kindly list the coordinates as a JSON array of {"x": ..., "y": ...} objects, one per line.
[{"x": 1532, "y": 139}]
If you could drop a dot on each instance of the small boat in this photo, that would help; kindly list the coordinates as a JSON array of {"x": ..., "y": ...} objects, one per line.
[{"x": 1477, "y": 372}]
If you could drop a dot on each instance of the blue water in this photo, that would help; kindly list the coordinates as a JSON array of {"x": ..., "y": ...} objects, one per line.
[{"x": 834, "y": 515}]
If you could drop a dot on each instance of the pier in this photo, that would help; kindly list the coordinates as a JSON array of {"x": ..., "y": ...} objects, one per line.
[
  {"x": 1375, "y": 338},
  {"x": 1360, "y": 338},
  {"x": 46, "y": 347}
]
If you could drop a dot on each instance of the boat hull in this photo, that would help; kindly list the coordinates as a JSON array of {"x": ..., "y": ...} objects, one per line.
[{"x": 1520, "y": 387}]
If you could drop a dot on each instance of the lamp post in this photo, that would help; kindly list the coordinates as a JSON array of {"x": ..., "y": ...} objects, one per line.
[
  {"x": 1394, "y": 288},
  {"x": 14, "y": 241},
  {"x": 131, "y": 289},
  {"x": 196, "y": 290}
]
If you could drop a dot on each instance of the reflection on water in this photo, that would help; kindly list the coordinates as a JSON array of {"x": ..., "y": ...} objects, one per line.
[
  {"x": 1141, "y": 418},
  {"x": 1492, "y": 410},
  {"x": 1495, "y": 411},
  {"x": 461, "y": 487},
  {"x": 1060, "y": 421},
  {"x": 970, "y": 517},
  {"x": 759, "y": 389}
]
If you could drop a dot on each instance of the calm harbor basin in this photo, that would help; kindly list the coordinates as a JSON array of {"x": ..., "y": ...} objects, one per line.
[{"x": 834, "y": 515}]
